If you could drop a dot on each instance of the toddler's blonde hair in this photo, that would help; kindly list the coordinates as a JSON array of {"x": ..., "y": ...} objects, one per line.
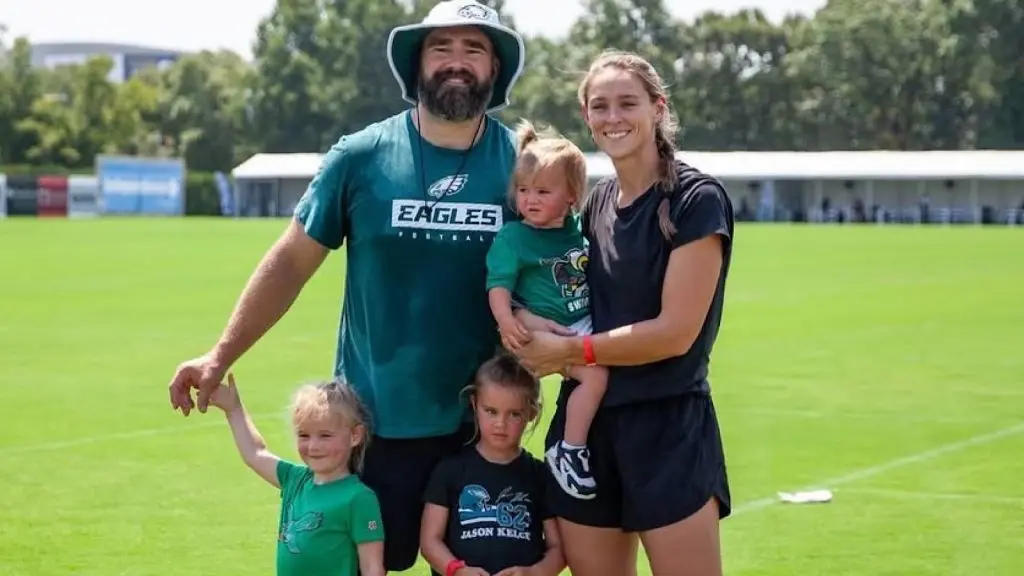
[{"x": 545, "y": 150}]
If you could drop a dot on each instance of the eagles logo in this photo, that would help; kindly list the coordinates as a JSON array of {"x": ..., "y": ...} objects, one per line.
[
  {"x": 570, "y": 273},
  {"x": 289, "y": 530},
  {"x": 447, "y": 186},
  {"x": 474, "y": 12}
]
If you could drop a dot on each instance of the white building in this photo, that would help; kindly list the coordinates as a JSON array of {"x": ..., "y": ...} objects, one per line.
[
  {"x": 970, "y": 186},
  {"x": 128, "y": 59}
]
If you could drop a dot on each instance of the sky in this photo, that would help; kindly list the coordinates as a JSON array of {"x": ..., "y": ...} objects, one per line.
[{"x": 193, "y": 25}]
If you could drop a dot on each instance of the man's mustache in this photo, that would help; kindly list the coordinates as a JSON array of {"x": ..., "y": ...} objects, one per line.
[{"x": 465, "y": 75}]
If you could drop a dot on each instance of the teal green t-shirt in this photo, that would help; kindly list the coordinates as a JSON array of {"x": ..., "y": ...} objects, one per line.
[
  {"x": 544, "y": 269},
  {"x": 415, "y": 322},
  {"x": 322, "y": 525}
]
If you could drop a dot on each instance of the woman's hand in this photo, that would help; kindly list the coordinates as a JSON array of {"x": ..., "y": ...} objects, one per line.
[
  {"x": 546, "y": 353},
  {"x": 516, "y": 571}
]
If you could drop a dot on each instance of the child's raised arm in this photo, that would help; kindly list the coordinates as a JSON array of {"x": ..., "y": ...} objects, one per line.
[{"x": 247, "y": 438}]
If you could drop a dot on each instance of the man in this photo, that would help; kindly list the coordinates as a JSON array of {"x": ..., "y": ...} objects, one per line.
[{"x": 417, "y": 198}]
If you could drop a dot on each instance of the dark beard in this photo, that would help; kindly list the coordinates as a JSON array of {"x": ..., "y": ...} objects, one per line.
[{"x": 454, "y": 103}]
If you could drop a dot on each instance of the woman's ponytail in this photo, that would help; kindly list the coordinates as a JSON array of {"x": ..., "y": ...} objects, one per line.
[{"x": 667, "y": 177}]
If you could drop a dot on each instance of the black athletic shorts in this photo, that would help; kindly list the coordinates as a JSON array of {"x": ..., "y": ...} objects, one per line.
[
  {"x": 397, "y": 470},
  {"x": 655, "y": 463}
]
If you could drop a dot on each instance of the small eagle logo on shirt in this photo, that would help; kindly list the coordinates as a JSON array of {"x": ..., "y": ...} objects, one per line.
[{"x": 448, "y": 186}]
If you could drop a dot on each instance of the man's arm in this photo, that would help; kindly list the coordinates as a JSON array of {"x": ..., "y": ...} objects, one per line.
[
  {"x": 320, "y": 225},
  {"x": 270, "y": 292}
]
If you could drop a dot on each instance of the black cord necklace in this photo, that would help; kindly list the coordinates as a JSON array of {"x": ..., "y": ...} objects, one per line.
[{"x": 423, "y": 173}]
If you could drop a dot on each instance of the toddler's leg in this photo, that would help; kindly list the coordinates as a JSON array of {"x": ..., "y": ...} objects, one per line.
[
  {"x": 570, "y": 460},
  {"x": 583, "y": 403}
]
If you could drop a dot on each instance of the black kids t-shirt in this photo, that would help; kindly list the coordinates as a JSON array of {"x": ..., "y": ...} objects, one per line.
[
  {"x": 626, "y": 269},
  {"x": 496, "y": 512}
]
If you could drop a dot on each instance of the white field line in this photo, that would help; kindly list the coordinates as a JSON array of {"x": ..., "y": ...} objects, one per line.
[
  {"x": 909, "y": 494},
  {"x": 820, "y": 415},
  {"x": 872, "y": 471},
  {"x": 744, "y": 508},
  {"x": 216, "y": 421}
]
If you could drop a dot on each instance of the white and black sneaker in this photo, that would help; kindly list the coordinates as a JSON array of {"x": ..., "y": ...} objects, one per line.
[{"x": 570, "y": 466}]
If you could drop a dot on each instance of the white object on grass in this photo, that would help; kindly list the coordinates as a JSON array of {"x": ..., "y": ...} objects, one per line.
[{"x": 808, "y": 497}]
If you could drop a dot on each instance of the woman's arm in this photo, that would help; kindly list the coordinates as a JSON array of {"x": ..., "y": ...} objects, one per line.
[{"x": 690, "y": 282}]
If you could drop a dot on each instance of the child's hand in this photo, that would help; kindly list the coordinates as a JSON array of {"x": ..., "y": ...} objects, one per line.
[
  {"x": 515, "y": 571},
  {"x": 225, "y": 396},
  {"x": 513, "y": 334},
  {"x": 471, "y": 571}
]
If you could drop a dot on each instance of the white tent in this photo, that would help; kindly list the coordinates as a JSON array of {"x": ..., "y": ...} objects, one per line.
[{"x": 781, "y": 185}]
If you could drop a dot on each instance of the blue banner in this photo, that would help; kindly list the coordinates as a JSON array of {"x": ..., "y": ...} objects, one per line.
[
  {"x": 134, "y": 185},
  {"x": 227, "y": 194}
]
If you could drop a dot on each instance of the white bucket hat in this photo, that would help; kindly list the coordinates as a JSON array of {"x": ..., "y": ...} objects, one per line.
[{"x": 405, "y": 42}]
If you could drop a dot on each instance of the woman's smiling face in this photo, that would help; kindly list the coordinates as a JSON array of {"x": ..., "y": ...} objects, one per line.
[{"x": 620, "y": 113}]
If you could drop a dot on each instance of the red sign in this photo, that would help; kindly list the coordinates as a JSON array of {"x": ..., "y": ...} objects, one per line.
[{"x": 53, "y": 196}]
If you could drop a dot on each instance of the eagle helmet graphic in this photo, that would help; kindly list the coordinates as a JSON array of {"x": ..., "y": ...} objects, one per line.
[{"x": 474, "y": 497}]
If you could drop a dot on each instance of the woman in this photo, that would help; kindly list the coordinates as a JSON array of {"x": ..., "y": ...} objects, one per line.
[{"x": 660, "y": 236}]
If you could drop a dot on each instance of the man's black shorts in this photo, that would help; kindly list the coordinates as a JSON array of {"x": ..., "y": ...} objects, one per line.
[
  {"x": 655, "y": 463},
  {"x": 397, "y": 470}
]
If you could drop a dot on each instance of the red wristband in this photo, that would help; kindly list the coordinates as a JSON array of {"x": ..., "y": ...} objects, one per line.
[
  {"x": 588, "y": 351},
  {"x": 453, "y": 567}
]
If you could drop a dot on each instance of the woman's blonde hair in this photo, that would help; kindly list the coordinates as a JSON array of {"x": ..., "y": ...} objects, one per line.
[
  {"x": 539, "y": 151},
  {"x": 664, "y": 131},
  {"x": 334, "y": 400}
]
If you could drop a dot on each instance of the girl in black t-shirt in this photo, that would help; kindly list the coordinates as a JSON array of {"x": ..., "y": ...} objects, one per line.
[{"x": 485, "y": 512}]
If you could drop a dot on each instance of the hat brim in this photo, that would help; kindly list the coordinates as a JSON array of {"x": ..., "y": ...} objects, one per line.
[{"x": 405, "y": 42}]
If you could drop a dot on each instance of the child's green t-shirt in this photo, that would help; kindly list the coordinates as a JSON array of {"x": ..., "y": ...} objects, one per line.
[
  {"x": 322, "y": 524},
  {"x": 545, "y": 269}
]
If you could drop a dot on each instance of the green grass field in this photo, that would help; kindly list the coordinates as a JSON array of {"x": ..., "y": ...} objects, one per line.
[{"x": 885, "y": 363}]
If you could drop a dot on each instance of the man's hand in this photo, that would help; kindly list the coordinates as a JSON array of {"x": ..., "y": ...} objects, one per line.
[
  {"x": 205, "y": 374},
  {"x": 471, "y": 571}
]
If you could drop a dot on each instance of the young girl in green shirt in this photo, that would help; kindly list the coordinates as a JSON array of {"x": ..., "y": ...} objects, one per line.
[{"x": 330, "y": 523}]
